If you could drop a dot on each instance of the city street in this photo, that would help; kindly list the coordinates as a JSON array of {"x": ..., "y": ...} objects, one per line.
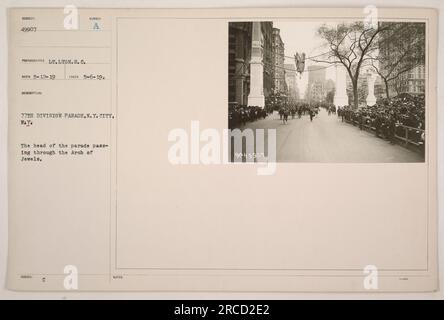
[{"x": 327, "y": 139}]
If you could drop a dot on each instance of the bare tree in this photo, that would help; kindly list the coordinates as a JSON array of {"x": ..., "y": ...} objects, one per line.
[
  {"x": 402, "y": 48},
  {"x": 350, "y": 44}
]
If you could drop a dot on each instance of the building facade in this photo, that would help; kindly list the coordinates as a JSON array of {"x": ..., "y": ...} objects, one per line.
[
  {"x": 267, "y": 43},
  {"x": 317, "y": 92},
  {"x": 239, "y": 55},
  {"x": 250, "y": 62},
  {"x": 290, "y": 80},
  {"x": 316, "y": 84},
  {"x": 412, "y": 82},
  {"x": 279, "y": 60},
  {"x": 395, "y": 47}
]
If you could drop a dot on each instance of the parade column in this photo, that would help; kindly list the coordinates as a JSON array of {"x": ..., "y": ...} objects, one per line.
[
  {"x": 256, "y": 96},
  {"x": 341, "y": 98}
]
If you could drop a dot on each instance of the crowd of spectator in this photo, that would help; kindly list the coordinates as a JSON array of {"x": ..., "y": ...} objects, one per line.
[
  {"x": 402, "y": 116},
  {"x": 239, "y": 115}
]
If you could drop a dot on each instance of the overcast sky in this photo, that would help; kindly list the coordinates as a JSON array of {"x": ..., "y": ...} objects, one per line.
[{"x": 300, "y": 36}]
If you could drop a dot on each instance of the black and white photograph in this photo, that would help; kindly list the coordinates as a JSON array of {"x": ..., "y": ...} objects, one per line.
[{"x": 333, "y": 91}]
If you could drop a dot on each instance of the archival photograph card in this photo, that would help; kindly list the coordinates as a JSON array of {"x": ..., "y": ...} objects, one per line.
[{"x": 267, "y": 150}]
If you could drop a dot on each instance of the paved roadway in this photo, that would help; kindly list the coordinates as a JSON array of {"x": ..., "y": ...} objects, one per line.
[{"x": 328, "y": 139}]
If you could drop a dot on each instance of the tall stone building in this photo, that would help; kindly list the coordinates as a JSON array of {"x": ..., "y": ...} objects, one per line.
[
  {"x": 250, "y": 46},
  {"x": 402, "y": 35},
  {"x": 290, "y": 80},
  {"x": 330, "y": 89},
  {"x": 316, "y": 84},
  {"x": 267, "y": 43},
  {"x": 278, "y": 63},
  {"x": 239, "y": 55},
  {"x": 316, "y": 73},
  {"x": 317, "y": 92},
  {"x": 412, "y": 82}
]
